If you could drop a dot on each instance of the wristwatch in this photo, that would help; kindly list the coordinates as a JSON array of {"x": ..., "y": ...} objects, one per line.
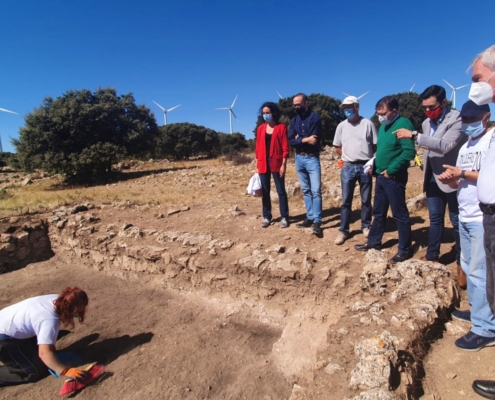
[
  {"x": 414, "y": 135},
  {"x": 463, "y": 174}
]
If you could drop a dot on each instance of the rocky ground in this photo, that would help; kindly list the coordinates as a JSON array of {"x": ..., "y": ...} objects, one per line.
[{"x": 196, "y": 300}]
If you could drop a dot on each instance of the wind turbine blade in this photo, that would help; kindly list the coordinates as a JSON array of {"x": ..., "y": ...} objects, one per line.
[
  {"x": 364, "y": 94},
  {"x": 347, "y": 94},
  {"x": 452, "y": 95},
  {"x": 223, "y": 108},
  {"x": 173, "y": 108},
  {"x": 449, "y": 84},
  {"x": 412, "y": 87},
  {"x": 8, "y": 111},
  {"x": 460, "y": 87},
  {"x": 232, "y": 106},
  {"x": 234, "y": 115},
  {"x": 279, "y": 95},
  {"x": 163, "y": 109}
]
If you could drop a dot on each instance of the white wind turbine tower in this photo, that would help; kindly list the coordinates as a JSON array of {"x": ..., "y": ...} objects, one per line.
[
  {"x": 7, "y": 111},
  {"x": 231, "y": 112},
  {"x": 454, "y": 90},
  {"x": 360, "y": 97},
  {"x": 165, "y": 111}
]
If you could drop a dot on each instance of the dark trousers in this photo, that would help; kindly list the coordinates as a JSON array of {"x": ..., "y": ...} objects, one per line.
[
  {"x": 349, "y": 175},
  {"x": 21, "y": 363},
  {"x": 282, "y": 194},
  {"x": 437, "y": 200},
  {"x": 391, "y": 192},
  {"x": 489, "y": 240}
]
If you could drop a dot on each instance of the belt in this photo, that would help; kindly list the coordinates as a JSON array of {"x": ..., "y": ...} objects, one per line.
[
  {"x": 487, "y": 208},
  {"x": 360, "y": 162},
  {"x": 302, "y": 153}
]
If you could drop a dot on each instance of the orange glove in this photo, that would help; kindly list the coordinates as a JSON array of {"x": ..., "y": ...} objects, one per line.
[{"x": 73, "y": 373}]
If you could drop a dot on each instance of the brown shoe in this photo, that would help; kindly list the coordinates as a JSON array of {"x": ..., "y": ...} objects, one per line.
[{"x": 461, "y": 277}]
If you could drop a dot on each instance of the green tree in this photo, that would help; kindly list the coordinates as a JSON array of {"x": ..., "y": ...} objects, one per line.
[
  {"x": 325, "y": 106},
  {"x": 82, "y": 133},
  {"x": 5, "y": 159},
  {"x": 184, "y": 140},
  {"x": 232, "y": 142}
]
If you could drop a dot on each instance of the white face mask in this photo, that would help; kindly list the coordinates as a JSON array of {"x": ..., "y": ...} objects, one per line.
[
  {"x": 481, "y": 92},
  {"x": 384, "y": 120}
]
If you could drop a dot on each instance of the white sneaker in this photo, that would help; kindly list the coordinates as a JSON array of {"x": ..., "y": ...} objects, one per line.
[
  {"x": 265, "y": 223},
  {"x": 341, "y": 238},
  {"x": 366, "y": 232}
]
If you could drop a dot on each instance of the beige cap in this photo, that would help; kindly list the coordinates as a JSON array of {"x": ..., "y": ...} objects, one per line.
[{"x": 350, "y": 100}]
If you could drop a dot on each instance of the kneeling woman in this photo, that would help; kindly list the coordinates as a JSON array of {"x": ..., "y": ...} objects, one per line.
[
  {"x": 272, "y": 151},
  {"x": 28, "y": 332}
]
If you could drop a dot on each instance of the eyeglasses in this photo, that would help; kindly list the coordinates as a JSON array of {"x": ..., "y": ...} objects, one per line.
[
  {"x": 430, "y": 108},
  {"x": 297, "y": 105}
]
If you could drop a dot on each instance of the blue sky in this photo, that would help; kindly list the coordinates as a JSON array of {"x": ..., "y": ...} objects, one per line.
[{"x": 201, "y": 54}]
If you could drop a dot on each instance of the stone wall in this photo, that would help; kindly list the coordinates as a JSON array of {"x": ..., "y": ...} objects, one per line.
[{"x": 22, "y": 243}]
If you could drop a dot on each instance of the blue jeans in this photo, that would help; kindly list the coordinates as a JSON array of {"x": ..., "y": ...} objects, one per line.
[
  {"x": 20, "y": 362},
  {"x": 473, "y": 263},
  {"x": 350, "y": 174},
  {"x": 391, "y": 192},
  {"x": 437, "y": 200},
  {"x": 309, "y": 175},
  {"x": 282, "y": 194}
]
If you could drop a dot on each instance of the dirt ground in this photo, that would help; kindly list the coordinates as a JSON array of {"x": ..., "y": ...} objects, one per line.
[
  {"x": 238, "y": 337},
  {"x": 154, "y": 344}
]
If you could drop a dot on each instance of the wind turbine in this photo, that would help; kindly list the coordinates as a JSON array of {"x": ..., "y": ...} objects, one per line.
[
  {"x": 7, "y": 111},
  {"x": 412, "y": 87},
  {"x": 454, "y": 90},
  {"x": 165, "y": 111},
  {"x": 364, "y": 94},
  {"x": 231, "y": 112},
  {"x": 279, "y": 95}
]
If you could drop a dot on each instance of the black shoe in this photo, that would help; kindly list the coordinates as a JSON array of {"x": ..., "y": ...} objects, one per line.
[
  {"x": 305, "y": 224},
  {"x": 485, "y": 389},
  {"x": 317, "y": 229},
  {"x": 399, "y": 258},
  {"x": 366, "y": 247}
]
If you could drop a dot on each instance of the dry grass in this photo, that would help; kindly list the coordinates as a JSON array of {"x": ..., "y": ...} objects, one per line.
[
  {"x": 215, "y": 182},
  {"x": 165, "y": 184}
]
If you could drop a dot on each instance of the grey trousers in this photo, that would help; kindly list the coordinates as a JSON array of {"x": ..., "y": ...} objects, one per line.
[{"x": 489, "y": 239}]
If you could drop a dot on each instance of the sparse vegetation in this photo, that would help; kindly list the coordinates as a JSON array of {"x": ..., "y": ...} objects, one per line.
[{"x": 237, "y": 158}]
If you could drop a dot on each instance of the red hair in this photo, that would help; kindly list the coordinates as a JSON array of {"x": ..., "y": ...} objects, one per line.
[{"x": 67, "y": 303}]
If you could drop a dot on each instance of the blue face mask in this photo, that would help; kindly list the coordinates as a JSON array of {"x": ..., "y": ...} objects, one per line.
[
  {"x": 267, "y": 117},
  {"x": 473, "y": 129},
  {"x": 349, "y": 114}
]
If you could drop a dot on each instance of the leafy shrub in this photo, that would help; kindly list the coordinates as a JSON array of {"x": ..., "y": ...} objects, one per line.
[{"x": 237, "y": 158}]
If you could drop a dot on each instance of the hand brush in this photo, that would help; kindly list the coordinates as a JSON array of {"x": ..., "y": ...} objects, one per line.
[{"x": 93, "y": 371}]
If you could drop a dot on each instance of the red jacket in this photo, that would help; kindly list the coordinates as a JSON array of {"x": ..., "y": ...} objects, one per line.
[{"x": 279, "y": 148}]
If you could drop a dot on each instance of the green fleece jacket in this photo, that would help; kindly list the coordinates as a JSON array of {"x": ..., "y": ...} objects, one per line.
[{"x": 393, "y": 154}]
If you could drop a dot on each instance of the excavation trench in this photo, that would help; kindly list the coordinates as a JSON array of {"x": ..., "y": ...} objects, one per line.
[{"x": 346, "y": 326}]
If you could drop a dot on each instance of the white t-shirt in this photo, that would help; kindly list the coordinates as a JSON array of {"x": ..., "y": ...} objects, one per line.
[
  {"x": 486, "y": 178},
  {"x": 356, "y": 139},
  {"x": 31, "y": 317},
  {"x": 471, "y": 158}
]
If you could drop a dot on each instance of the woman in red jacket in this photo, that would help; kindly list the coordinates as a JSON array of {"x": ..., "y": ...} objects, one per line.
[{"x": 272, "y": 151}]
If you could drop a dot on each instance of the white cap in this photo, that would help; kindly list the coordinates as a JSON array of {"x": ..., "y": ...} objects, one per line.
[{"x": 350, "y": 100}]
